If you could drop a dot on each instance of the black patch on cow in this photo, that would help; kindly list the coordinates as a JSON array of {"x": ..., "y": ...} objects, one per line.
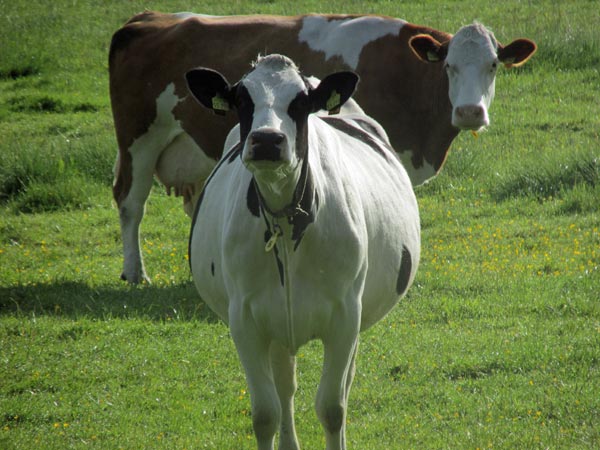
[
  {"x": 275, "y": 250},
  {"x": 245, "y": 110},
  {"x": 235, "y": 153},
  {"x": 309, "y": 204},
  {"x": 235, "y": 150},
  {"x": 358, "y": 133},
  {"x": 404, "y": 272},
  {"x": 279, "y": 265},
  {"x": 298, "y": 110},
  {"x": 367, "y": 126},
  {"x": 212, "y": 268},
  {"x": 252, "y": 199}
]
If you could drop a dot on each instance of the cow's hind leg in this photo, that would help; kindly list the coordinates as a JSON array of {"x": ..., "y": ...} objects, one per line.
[
  {"x": 284, "y": 375},
  {"x": 131, "y": 212},
  {"x": 134, "y": 173}
]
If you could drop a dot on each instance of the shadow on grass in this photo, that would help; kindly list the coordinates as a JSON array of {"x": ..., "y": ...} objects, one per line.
[{"x": 78, "y": 300}]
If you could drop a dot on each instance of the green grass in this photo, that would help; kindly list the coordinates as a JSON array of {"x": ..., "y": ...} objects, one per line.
[{"x": 496, "y": 346}]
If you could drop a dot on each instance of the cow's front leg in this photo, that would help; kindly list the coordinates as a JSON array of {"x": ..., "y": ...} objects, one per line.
[
  {"x": 340, "y": 349},
  {"x": 284, "y": 374},
  {"x": 253, "y": 350}
]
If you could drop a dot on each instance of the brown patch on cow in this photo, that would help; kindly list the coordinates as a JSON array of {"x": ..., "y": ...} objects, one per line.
[{"x": 408, "y": 97}]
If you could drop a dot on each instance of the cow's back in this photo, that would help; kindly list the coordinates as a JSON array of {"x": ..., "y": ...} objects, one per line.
[{"x": 153, "y": 50}]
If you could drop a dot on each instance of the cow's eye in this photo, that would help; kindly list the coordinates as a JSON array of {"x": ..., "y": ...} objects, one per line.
[
  {"x": 242, "y": 99},
  {"x": 494, "y": 66},
  {"x": 299, "y": 106}
]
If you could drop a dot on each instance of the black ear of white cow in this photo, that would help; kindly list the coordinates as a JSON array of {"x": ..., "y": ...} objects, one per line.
[
  {"x": 333, "y": 91},
  {"x": 210, "y": 88}
]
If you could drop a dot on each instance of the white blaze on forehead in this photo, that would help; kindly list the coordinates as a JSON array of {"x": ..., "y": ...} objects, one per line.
[
  {"x": 346, "y": 37},
  {"x": 273, "y": 83},
  {"x": 472, "y": 43}
]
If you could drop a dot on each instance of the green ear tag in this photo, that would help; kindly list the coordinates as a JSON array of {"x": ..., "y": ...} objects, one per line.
[
  {"x": 432, "y": 57},
  {"x": 219, "y": 103},
  {"x": 334, "y": 101}
]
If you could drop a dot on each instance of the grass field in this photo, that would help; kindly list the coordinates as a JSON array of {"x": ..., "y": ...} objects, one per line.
[{"x": 497, "y": 344}]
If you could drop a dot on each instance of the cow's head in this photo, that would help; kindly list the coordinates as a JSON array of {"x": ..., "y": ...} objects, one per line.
[
  {"x": 273, "y": 102},
  {"x": 470, "y": 59}
]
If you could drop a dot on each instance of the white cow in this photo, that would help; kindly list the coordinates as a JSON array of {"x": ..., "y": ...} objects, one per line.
[{"x": 308, "y": 228}]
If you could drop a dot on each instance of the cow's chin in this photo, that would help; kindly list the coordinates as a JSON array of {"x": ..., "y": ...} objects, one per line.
[
  {"x": 269, "y": 171},
  {"x": 469, "y": 126}
]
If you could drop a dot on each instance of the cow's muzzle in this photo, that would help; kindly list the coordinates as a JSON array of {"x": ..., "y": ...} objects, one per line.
[
  {"x": 266, "y": 145},
  {"x": 470, "y": 117}
]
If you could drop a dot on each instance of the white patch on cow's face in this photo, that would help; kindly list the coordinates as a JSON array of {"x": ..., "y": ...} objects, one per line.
[
  {"x": 471, "y": 66},
  {"x": 272, "y": 86},
  {"x": 346, "y": 37}
]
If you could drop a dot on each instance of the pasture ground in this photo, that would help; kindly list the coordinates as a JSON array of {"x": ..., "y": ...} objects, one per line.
[{"x": 497, "y": 344}]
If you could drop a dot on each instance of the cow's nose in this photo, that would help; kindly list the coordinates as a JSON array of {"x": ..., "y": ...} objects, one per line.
[
  {"x": 267, "y": 136},
  {"x": 470, "y": 117},
  {"x": 266, "y": 144},
  {"x": 474, "y": 112}
]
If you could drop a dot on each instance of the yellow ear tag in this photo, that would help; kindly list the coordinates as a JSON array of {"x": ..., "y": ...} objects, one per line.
[
  {"x": 475, "y": 134},
  {"x": 508, "y": 62},
  {"x": 334, "y": 101},
  {"x": 219, "y": 103}
]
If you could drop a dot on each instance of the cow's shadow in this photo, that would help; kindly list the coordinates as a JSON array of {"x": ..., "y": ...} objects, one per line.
[{"x": 78, "y": 300}]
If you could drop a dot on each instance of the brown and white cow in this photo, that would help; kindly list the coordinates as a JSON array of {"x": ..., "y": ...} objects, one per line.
[{"x": 161, "y": 130}]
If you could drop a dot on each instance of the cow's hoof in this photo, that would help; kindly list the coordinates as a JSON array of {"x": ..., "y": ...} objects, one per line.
[{"x": 136, "y": 279}]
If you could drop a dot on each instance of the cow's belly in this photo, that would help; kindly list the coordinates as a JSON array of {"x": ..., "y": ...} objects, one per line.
[
  {"x": 292, "y": 313},
  {"x": 183, "y": 167},
  {"x": 296, "y": 294}
]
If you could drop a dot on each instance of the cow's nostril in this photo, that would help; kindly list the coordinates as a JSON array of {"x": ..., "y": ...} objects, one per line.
[
  {"x": 267, "y": 137},
  {"x": 266, "y": 144},
  {"x": 473, "y": 111}
]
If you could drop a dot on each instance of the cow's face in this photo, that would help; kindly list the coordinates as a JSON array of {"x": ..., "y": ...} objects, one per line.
[
  {"x": 273, "y": 102},
  {"x": 470, "y": 60}
]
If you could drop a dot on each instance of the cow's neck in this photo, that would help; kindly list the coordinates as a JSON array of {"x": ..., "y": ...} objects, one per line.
[{"x": 287, "y": 201}]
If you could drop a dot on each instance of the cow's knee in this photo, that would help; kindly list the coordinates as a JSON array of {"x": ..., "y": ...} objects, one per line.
[
  {"x": 332, "y": 417},
  {"x": 265, "y": 422}
]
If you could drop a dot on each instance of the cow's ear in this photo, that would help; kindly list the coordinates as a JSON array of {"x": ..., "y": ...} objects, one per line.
[
  {"x": 210, "y": 88},
  {"x": 517, "y": 52},
  {"x": 333, "y": 91},
  {"x": 428, "y": 49}
]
